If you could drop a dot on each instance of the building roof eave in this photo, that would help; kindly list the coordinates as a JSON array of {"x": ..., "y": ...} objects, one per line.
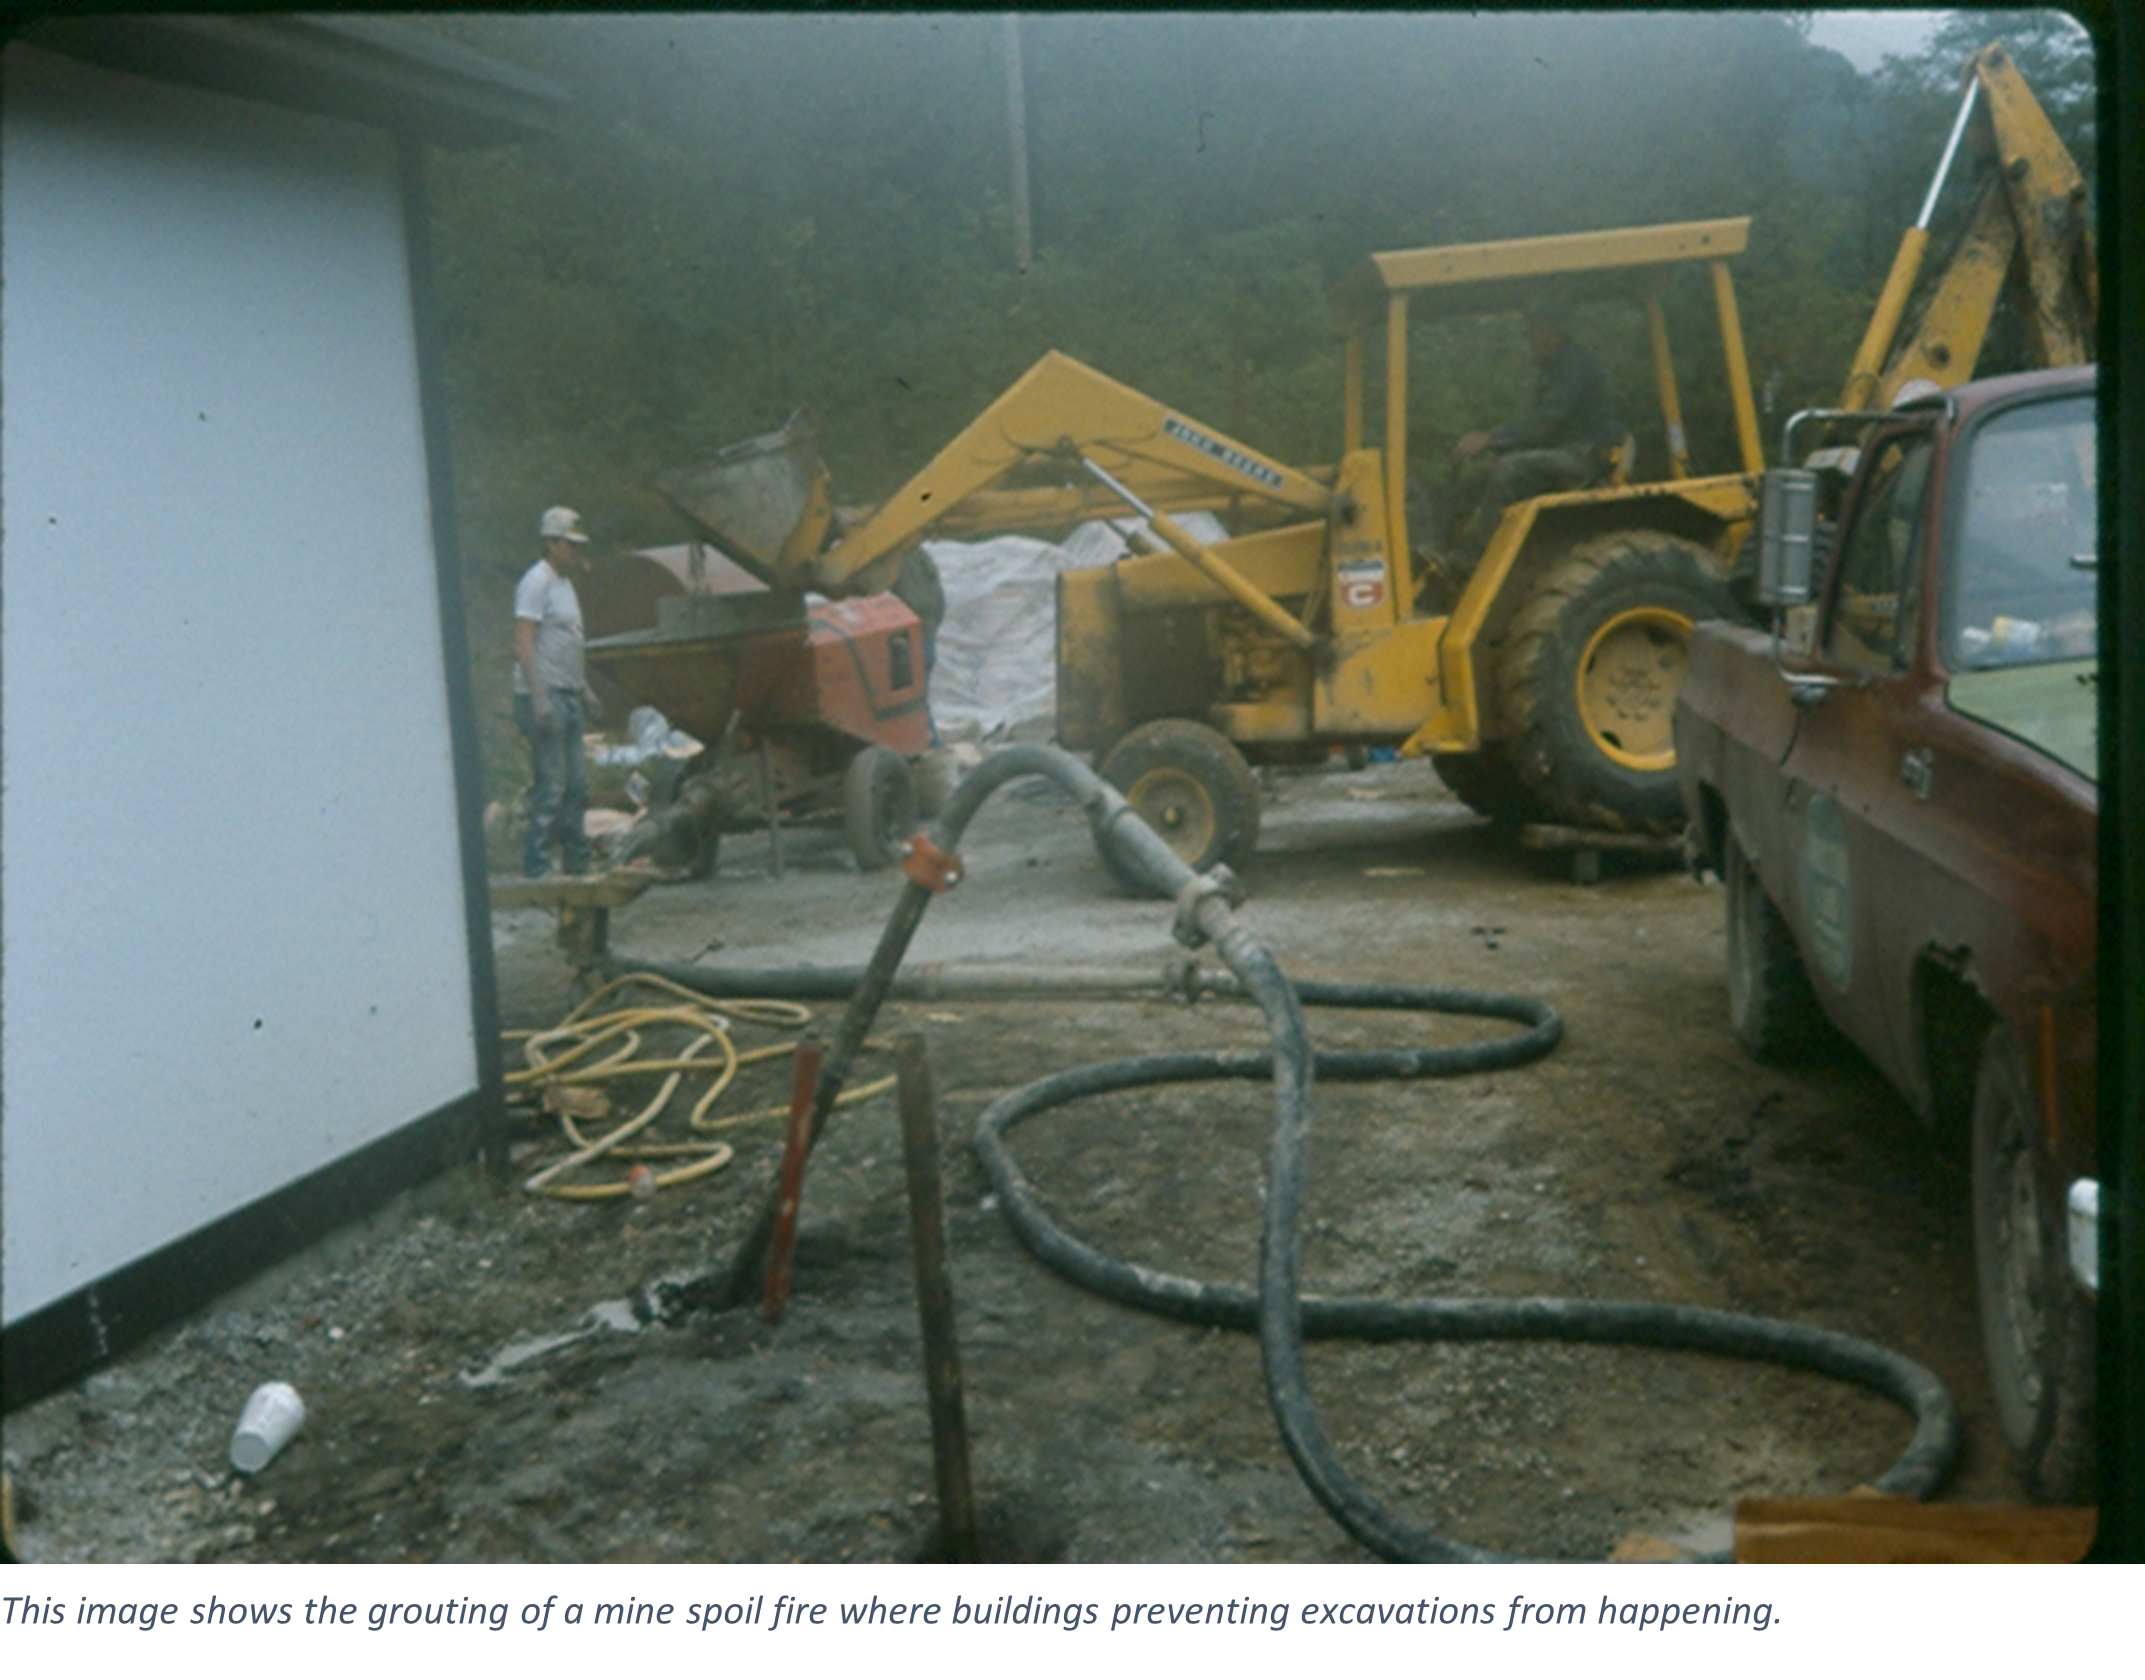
[{"x": 368, "y": 70}]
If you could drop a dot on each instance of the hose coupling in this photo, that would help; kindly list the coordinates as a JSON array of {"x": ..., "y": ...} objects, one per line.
[
  {"x": 1221, "y": 883},
  {"x": 930, "y": 865}
]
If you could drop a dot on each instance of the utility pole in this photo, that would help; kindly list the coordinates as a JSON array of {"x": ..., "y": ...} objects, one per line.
[{"x": 1016, "y": 121}]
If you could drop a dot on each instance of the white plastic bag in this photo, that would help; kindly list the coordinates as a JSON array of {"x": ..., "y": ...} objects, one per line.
[{"x": 997, "y": 647}]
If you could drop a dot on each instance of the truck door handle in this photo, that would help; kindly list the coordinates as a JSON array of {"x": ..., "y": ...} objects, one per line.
[{"x": 1917, "y": 770}]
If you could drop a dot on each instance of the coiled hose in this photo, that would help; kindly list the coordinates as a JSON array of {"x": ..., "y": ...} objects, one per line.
[
  {"x": 562, "y": 1062},
  {"x": 1277, "y": 1311}
]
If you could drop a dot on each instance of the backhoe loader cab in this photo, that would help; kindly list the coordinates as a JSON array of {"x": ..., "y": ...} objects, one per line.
[{"x": 1387, "y": 293}]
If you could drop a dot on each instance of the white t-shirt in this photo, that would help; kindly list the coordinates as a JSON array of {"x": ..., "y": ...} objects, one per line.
[{"x": 549, "y": 602}]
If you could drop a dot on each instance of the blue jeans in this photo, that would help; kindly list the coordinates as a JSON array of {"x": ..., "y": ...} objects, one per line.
[{"x": 559, "y": 801}]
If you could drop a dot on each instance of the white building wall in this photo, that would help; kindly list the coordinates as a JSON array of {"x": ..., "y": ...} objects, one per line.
[{"x": 231, "y": 897}]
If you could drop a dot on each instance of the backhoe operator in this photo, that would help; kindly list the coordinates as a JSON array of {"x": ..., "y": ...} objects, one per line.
[{"x": 1567, "y": 441}]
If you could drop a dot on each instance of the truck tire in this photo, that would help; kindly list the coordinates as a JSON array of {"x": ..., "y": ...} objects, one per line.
[
  {"x": 1771, "y": 1005},
  {"x": 1588, "y": 678},
  {"x": 2036, "y": 1321},
  {"x": 878, "y": 806},
  {"x": 1192, "y": 787},
  {"x": 1484, "y": 783}
]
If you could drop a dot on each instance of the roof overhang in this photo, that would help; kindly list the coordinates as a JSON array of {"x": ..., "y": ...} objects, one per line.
[
  {"x": 1500, "y": 275},
  {"x": 368, "y": 70}
]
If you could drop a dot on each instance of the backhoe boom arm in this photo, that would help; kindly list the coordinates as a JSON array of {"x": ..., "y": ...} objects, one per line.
[{"x": 1055, "y": 413}]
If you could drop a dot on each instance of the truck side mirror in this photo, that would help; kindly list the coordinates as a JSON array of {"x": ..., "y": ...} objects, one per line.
[{"x": 1787, "y": 536}]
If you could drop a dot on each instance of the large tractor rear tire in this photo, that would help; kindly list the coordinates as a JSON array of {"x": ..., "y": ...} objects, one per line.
[
  {"x": 1483, "y": 782},
  {"x": 1588, "y": 677},
  {"x": 1192, "y": 787}
]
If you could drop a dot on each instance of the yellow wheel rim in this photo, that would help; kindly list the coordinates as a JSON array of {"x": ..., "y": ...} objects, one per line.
[
  {"x": 1178, "y": 807},
  {"x": 1628, "y": 680}
]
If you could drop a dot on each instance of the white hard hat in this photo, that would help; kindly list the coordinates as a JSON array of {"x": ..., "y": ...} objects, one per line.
[{"x": 561, "y": 523}]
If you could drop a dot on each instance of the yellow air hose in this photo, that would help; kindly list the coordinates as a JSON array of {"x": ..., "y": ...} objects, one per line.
[{"x": 600, "y": 1041}]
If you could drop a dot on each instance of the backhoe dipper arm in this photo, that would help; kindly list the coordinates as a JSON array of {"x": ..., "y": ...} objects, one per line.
[
  {"x": 2031, "y": 218},
  {"x": 1059, "y": 409},
  {"x": 2038, "y": 199}
]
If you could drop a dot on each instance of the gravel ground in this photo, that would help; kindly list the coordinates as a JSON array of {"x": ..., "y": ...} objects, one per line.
[{"x": 1646, "y": 1158}]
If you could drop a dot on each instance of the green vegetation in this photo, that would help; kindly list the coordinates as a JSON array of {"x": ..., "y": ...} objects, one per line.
[{"x": 750, "y": 213}]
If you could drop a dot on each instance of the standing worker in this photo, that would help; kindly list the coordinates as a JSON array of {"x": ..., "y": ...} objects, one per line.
[
  {"x": 550, "y": 688},
  {"x": 1567, "y": 441}
]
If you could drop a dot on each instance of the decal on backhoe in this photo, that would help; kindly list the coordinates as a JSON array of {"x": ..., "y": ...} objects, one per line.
[
  {"x": 1362, "y": 582},
  {"x": 1827, "y": 894},
  {"x": 1234, "y": 458}
]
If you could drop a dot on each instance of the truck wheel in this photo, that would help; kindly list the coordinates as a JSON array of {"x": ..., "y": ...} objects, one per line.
[
  {"x": 1484, "y": 783},
  {"x": 1770, "y": 1003},
  {"x": 1192, "y": 787},
  {"x": 2036, "y": 1322},
  {"x": 878, "y": 806},
  {"x": 1589, "y": 675}
]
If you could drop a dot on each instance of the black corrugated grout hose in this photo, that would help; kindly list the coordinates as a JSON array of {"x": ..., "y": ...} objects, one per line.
[
  {"x": 1278, "y": 1312},
  {"x": 1916, "y": 1473}
]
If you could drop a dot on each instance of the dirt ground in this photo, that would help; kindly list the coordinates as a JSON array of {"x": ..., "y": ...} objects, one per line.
[{"x": 1648, "y": 1157}]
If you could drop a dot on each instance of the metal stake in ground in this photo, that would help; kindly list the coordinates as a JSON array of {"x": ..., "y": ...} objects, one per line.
[
  {"x": 782, "y": 1242},
  {"x": 934, "y": 1303}
]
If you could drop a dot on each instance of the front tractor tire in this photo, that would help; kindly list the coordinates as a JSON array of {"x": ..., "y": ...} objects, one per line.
[
  {"x": 1191, "y": 786},
  {"x": 1589, "y": 673}
]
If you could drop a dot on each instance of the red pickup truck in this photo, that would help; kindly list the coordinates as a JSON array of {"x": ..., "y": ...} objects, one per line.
[{"x": 1898, "y": 786}]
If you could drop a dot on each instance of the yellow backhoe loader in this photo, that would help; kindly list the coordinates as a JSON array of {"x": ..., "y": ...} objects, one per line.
[{"x": 1545, "y": 688}]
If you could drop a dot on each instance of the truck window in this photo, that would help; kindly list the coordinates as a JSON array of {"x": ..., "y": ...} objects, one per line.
[
  {"x": 2023, "y": 589},
  {"x": 1876, "y": 584}
]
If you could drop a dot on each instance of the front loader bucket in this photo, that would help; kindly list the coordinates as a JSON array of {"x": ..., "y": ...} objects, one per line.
[{"x": 763, "y": 502}]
